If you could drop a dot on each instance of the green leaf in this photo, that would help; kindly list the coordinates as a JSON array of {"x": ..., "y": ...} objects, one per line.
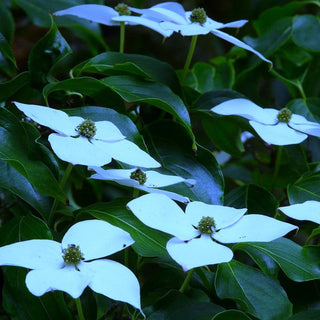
[
  {"x": 19, "y": 185},
  {"x": 308, "y": 108},
  {"x": 25, "y": 155},
  {"x": 231, "y": 315},
  {"x": 6, "y": 23},
  {"x": 306, "y": 188},
  {"x": 7, "y": 59},
  {"x": 9, "y": 88},
  {"x": 137, "y": 90},
  {"x": 49, "y": 50},
  {"x": 305, "y": 32},
  {"x": 308, "y": 314},
  {"x": 125, "y": 124},
  {"x": 288, "y": 255},
  {"x": 176, "y": 306},
  {"x": 148, "y": 242},
  {"x": 177, "y": 158},
  {"x": 116, "y": 63},
  {"x": 256, "y": 293}
]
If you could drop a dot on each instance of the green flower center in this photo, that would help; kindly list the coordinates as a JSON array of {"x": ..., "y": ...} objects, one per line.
[
  {"x": 72, "y": 255},
  {"x": 198, "y": 15},
  {"x": 139, "y": 175},
  {"x": 87, "y": 129},
  {"x": 122, "y": 9},
  {"x": 284, "y": 115},
  {"x": 207, "y": 226}
]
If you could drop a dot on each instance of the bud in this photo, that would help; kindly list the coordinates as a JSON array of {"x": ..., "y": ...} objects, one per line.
[
  {"x": 284, "y": 115},
  {"x": 72, "y": 255},
  {"x": 198, "y": 15},
  {"x": 139, "y": 175},
  {"x": 207, "y": 226},
  {"x": 87, "y": 129},
  {"x": 122, "y": 9}
]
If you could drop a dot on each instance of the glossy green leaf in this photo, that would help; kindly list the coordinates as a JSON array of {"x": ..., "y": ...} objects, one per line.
[
  {"x": 177, "y": 158},
  {"x": 6, "y": 23},
  {"x": 308, "y": 108},
  {"x": 148, "y": 242},
  {"x": 289, "y": 256},
  {"x": 256, "y": 293},
  {"x": 19, "y": 185},
  {"x": 305, "y": 32},
  {"x": 116, "y": 63},
  {"x": 7, "y": 59},
  {"x": 49, "y": 50},
  {"x": 9, "y": 88},
  {"x": 231, "y": 315},
  {"x": 25, "y": 155},
  {"x": 306, "y": 188},
  {"x": 176, "y": 306},
  {"x": 306, "y": 315}
]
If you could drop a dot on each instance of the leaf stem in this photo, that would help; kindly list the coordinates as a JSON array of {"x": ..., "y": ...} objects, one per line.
[
  {"x": 79, "y": 309},
  {"x": 277, "y": 165},
  {"x": 189, "y": 56},
  {"x": 62, "y": 185},
  {"x": 122, "y": 36},
  {"x": 135, "y": 193},
  {"x": 186, "y": 281}
]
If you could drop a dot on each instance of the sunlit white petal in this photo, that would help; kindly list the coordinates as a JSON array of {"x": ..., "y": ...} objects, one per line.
[
  {"x": 198, "y": 252},
  {"x": 160, "y": 212},
  {"x": 79, "y": 150},
  {"x": 97, "y": 238},
  {"x": 113, "y": 280},
  {"x": 222, "y": 216},
  {"x": 107, "y": 131},
  {"x": 309, "y": 210},
  {"x": 279, "y": 134},
  {"x": 310, "y": 128},
  {"x": 67, "y": 279},
  {"x": 32, "y": 254},
  {"x": 254, "y": 227}
]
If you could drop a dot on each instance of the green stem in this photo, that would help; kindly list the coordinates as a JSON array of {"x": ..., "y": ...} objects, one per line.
[
  {"x": 79, "y": 309},
  {"x": 62, "y": 185},
  {"x": 186, "y": 281},
  {"x": 122, "y": 36},
  {"x": 277, "y": 165},
  {"x": 189, "y": 56},
  {"x": 135, "y": 193}
]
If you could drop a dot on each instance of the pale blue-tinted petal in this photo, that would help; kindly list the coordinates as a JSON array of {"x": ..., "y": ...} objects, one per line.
[
  {"x": 92, "y": 12},
  {"x": 158, "y": 180},
  {"x": 113, "y": 280},
  {"x": 233, "y": 24},
  {"x": 74, "y": 122},
  {"x": 32, "y": 254},
  {"x": 191, "y": 29},
  {"x": 68, "y": 280},
  {"x": 301, "y": 124},
  {"x": 222, "y": 216},
  {"x": 238, "y": 43},
  {"x": 97, "y": 238},
  {"x": 309, "y": 210},
  {"x": 79, "y": 150},
  {"x": 246, "y": 109},
  {"x": 107, "y": 131},
  {"x": 57, "y": 120},
  {"x": 198, "y": 252},
  {"x": 128, "y": 152},
  {"x": 153, "y": 25},
  {"x": 279, "y": 134},
  {"x": 254, "y": 227},
  {"x": 167, "y": 11},
  {"x": 160, "y": 212}
]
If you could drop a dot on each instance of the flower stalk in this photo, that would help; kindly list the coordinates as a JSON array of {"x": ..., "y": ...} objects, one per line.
[
  {"x": 189, "y": 57},
  {"x": 79, "y": 309}
]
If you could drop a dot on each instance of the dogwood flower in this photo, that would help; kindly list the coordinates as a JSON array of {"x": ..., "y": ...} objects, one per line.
[
  {"x": 197, "y": 230},
  {"x": 273, "y": 126},
  {"x": 172, "y": 17},
  {"x": 147, "y": 181},
  {"x": 112, "y": 17},
  {"x": 308, "y": 210},
  {"x": 85, "y": 142},
  {"x": 75, "y": 263}
]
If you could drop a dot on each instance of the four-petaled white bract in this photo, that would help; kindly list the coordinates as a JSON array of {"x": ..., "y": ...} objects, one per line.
[
  {"x": 191, "y": 249},
  {"x": 154, "y": 180},
  {"x": 107, "y": 143},
  {"x": 172, "y": 17},
  {"x": 110, "y": 17},
  {"x": 96, "y": 239},
  {"x": 266, "y": 123},
  {"x": 308, "y": 210}
]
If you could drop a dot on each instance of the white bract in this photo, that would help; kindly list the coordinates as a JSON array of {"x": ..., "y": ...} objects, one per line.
[
  {"x": 111, "y": 17},
  {"x": 147, "y": 181},
  {"x": 278, "y": 127},
  {"x": 85, "y": 142},
  {"x": 172, "y": 17},
  {"x": 197, "y": 229},
  {"x": 75, "y": 263},
  {"x": 308, "y": 210}
]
